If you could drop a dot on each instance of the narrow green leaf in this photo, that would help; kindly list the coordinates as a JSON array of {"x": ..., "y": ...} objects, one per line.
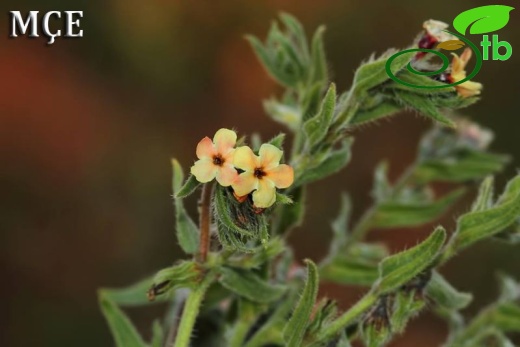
[
  {"x": 184, "y": 274},
  {"x": 134, "y": 295},
  {"x": 250, "y": 286},
  {"x": 285, "y": 114},
  {"x": 188, "y": 188},
  {"x": 373, "y": 73},
  {"x": 424, "y": 106},
  {"x": 419, "y": 80},
  {"x": 507, "y": 317},
  {"x": 283, "y": 199},
  {"x": 319, "y": 70},
  {"x": 383, "y": 109},
  {"x": 475, "y": 226},
  {"x": 349, "y": 273},
  {"x": 397, "y": 214},
  {"x": 484, "y": 198},
  {"x": 157, "y": 335},
  {"x": 294, "y": 331},
  {"x": 400, "y": 268},
  {"x": 317, "y": 127},
  {"x": 509, "y": 289},
  {"x": 483, "y": 19},
  {"x": 187, "y": 231},
  {"x": 336, "y": 161},
  {"x": 382, "y": 189},
  {"x": 277, "y": 141},
  {"x": 473, "y": 165},
  {"x": 298, "y": 34},
  {"x": 269, "y": 63},
  {"x": 444, "y": 295},
  {"x": 340, "y": 226},
  {"x": 123, "y": 331}
]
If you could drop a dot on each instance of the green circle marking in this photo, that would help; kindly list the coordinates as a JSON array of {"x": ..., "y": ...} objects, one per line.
[{"x": 445, "y": 60}]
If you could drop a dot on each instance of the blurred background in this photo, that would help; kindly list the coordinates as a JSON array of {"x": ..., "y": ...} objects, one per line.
[{"x": 88, "y": 127}]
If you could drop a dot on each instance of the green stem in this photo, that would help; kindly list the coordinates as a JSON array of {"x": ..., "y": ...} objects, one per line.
[
  {"x": 191, "y": 311},
  {"x": 346, "y": 318}
]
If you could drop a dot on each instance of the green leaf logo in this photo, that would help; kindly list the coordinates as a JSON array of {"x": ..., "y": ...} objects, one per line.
[{"x": 482, "y": 20}]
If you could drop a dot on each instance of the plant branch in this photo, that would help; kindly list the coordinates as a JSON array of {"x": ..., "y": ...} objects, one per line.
[
  {"x": 345, "y": 319},
  {"x": 191, "y": 311},
  {"x": 204, "y": 222}
]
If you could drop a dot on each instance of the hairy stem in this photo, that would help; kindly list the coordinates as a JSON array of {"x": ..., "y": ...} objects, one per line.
[
  {"x": 345, "y": 319},
  {"x": 191, "y": 311},
  {"x": 204, "y": 222}
]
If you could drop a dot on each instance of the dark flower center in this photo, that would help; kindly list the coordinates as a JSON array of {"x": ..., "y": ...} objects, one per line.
[
  {"x": 259, "y": 172},
  {"x": 218, "y": 160}
]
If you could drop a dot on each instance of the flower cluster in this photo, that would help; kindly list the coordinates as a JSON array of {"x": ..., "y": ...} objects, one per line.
[
  {"x": 241, "y": 169},
  {"x": 434, "y": 34}
]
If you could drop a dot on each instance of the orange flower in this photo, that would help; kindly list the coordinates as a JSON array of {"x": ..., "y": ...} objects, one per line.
[
  {"x": 262, "y": 174},
  {"x": 458, "y": 73},
  {"x": 216, "y": 158}
]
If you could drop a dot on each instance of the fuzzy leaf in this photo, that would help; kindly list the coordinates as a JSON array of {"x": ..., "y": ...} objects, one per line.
[
  {"x": 507, "y": 317},
  {"x": 318, "y": 69},
  {"x": 384, "y": 109},
  {"x": 373, "y": 73},
  {"x": 184, "y": 274},
  {"x": 400, "y": 268},
  {"x": 509, "y": 289},
  {"x": 298, "y": 33},
  {"x": 381, "y": 190},
  {"x": 340, "y": 226},
  {"x": 277, "y": 141},
  {"x": 420, "y": 80},
  {"x": 282, "y": 113},
  {"x": 157, "y": 334},
  {"x": 188, "y": 188},
  {"x": 424, "y": 106},
  {"x": 473, "y": 165},
  {"x": 483, "y": 19},
  {"x": 349, "y": 273},
  {"x": 475, "y": 226},
  {"x": 484, "y": 198},
  {"x": 134, "y": 295},
  {"x": 398, "y": 214},
  {"x": 317, "y": 127},
  {"x": 336, "y": 161},
  {"x": 444, "y": 295},
  {"x": 250, "y": 286},
  {"x": 123, "y": 331},
  {"x": 187, "y": 231},
  {"x": 294, "y": 331}
]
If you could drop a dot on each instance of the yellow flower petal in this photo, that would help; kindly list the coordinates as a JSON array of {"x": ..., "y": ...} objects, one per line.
[
  {"x": 265, "y": 195},
  {"x": 269, "y": 156},
  {"x": 226, "y": 175},
  {"x": 204, "y": 170},
  {"x": 469, "y": 88},
  {"x": 205, "y": 148},
  {"x": 245, "y": 159},
  {"x": 282, "y": 176},
  {"x": 224, "y": 140},
  {"x": 245, "y": 183}
]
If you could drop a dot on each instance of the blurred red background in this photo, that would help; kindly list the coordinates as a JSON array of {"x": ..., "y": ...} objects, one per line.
[{"x": 88, "y": 127}]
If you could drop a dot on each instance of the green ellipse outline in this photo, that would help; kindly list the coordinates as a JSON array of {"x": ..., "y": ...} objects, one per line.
[{"x": 474, "y": 72}]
